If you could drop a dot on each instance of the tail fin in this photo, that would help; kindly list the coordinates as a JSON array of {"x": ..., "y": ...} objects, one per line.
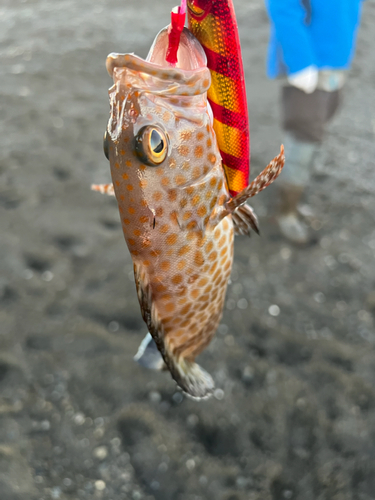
[
  {"x": 245, "y": 220},
  {"x": 192, "y": 378}
]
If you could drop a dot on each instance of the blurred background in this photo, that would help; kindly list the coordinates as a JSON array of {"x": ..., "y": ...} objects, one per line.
[{"x": 293, "y": 416}]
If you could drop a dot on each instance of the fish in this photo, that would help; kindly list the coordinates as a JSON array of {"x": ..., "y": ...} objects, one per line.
[{"x": 177, "y": 213}]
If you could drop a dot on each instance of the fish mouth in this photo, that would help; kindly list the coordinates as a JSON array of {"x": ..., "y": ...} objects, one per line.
[{"x": 189, "y": 77}]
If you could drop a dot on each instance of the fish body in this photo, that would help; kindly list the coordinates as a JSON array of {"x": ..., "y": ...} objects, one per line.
[
  {"x": 213, "y": 23},
  {"x": 172, "y": 213}
]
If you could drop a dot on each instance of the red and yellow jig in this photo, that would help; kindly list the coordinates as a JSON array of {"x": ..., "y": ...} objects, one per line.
[{"x": 213, "y": 23}]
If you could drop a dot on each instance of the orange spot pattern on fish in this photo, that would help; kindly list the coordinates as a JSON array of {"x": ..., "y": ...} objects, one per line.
[{"x": 173, "y": 224}]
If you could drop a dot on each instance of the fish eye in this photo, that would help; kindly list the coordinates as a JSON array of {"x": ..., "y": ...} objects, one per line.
[
  {"x": 106, "y": 145},
  {"x": 151, "y": 145}
]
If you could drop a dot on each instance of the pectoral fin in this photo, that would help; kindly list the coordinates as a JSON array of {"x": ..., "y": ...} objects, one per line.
[
  {"x": 245, "y": 220},
  {"x": 148, "y": 354},
  {"x": 104, "y": 189}
]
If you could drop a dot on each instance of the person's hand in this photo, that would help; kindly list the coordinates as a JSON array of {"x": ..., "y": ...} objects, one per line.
[{"x": 306, "y": 79}]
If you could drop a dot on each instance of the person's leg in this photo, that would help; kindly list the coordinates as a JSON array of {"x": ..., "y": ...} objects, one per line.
[
  {"x": 299, "y": 157},
  {"x": 304, "y": 115},
  {"x": 303, "y": 119}
]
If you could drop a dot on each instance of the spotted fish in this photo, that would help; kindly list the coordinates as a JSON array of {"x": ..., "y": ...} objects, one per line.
[{"x": 176, "y": 211}]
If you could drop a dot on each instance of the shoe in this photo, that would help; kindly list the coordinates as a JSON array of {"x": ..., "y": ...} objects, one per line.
[
  {"x": 291, "y": 226},
  {"x": 293, "y": 229}
]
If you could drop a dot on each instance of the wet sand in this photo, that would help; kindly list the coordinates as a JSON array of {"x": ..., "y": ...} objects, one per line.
[{"x": 293, "y": 417}]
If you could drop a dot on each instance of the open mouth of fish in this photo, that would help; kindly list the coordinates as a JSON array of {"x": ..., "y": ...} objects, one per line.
[{"x": 189, "y": 77}]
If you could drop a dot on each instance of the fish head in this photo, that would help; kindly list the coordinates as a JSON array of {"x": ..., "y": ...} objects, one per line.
[{"x": 159, "y": 137}]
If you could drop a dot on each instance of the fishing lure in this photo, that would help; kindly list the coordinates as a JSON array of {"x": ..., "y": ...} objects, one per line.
[
  {"x": 177, "y": 214},
  {"x": 213, "y": 23}
]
